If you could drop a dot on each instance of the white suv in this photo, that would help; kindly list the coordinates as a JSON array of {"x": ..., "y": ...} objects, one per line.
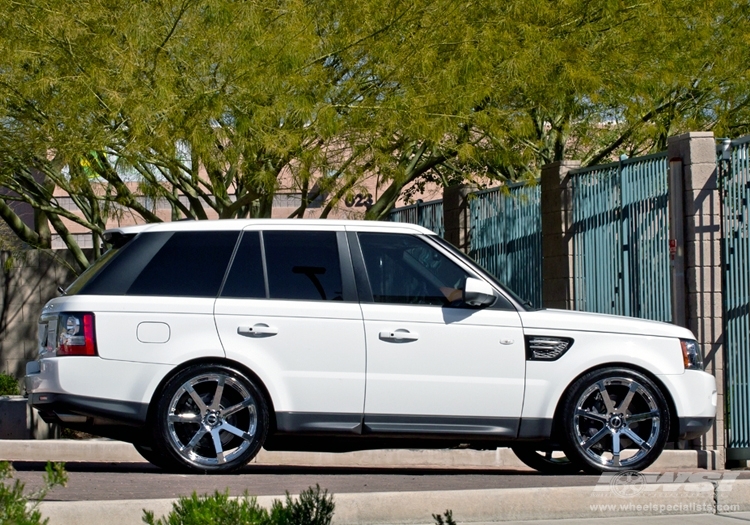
[{"x": 201, "y": 342}]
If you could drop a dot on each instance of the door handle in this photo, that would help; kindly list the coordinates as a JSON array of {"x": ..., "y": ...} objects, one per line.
[
  {"x": 257, "y": 330},
  {"x": 398, "y": 336}
]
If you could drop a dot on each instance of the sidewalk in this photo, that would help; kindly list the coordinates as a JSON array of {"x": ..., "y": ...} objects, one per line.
[
  {"x": 598, "y": 505},
  {"x": 700, "y": 502}
]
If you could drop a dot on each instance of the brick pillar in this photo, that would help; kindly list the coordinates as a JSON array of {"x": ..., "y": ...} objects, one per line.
[
  {"x": 456, "y": 215},
  {"x": 703, "y": 271},
  {"x": 557, "y": 238}
]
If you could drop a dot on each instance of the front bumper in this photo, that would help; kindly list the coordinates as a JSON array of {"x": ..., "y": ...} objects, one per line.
[{"x": 694, "y": 427}]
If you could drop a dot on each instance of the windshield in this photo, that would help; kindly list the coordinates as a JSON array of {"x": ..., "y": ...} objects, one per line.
[{"x": 448, "y": 246}]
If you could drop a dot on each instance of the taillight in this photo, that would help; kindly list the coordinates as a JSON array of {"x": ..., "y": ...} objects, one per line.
[{"x": 76, "y": 334}]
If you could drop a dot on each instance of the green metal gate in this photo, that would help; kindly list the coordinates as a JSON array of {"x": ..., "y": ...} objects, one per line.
[
  {"x": 621, "y": 238},
  {"x": 735, "y": 185},
  {"x": 427, "y": 214},
  {"x": 506, "y": 237}
]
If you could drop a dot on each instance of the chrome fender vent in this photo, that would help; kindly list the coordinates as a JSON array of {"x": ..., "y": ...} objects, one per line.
[{"x": 545, "y": 348}]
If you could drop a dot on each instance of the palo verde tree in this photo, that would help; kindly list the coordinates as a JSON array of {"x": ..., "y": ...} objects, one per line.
[{"x": 204, "y": 104}]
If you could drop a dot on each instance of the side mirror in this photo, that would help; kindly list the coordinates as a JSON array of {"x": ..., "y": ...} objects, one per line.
[{"x": 478, "y": 293}]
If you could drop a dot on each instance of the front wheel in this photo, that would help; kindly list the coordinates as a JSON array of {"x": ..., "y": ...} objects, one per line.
[
  {"x": 552, "y": 462},
  {"x": 615, "y": 419},
  {"x": 211, "y": 419}
]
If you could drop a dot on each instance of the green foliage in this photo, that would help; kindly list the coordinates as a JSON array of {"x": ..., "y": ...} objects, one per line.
[
  {"x": 213, "y": 106},
  {"x": 448, "y": 518},
  {"x": 313, "y": 507},
  {"x": 16, "y": 508},
  {"x": 216, "y": 509},
  {"x": 8, "y": 385}
]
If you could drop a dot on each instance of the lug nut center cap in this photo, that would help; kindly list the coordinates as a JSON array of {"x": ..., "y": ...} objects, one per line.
[
  {"x": 212, "y": 419},
  {"x": 616, "y": 421}
]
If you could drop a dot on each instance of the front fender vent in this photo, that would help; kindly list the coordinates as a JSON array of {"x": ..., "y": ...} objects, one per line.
[{"x": 545, "y": 348}]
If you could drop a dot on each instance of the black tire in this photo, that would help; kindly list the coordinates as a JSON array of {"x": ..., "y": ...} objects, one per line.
[
  {"x": 152, "y": 455},
  {"x": 546, "y": 461},
  {"x": 203, "y": 433},
  {"x": 611, "y": 411}
]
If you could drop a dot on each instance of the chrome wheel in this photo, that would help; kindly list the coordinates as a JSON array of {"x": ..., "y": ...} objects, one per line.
[
  {"x": 619, "y": 421},
  {"x": 213, "y": 420}
]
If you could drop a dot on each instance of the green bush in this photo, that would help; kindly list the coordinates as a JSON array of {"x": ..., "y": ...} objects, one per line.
[
  {"x": 14, "y": 505},
  {"x": 8, "y": 385},
  {"x": 313, "y": 507},
  {"x": 448, "y": 518}
]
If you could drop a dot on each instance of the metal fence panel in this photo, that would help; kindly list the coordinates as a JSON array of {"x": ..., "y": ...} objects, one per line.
[
  {"x": 506, "y": 237},
  {"x": 735, "y": 180},
  {"x": 621, "y": 238},
  {"x": 427, "y": 214}
]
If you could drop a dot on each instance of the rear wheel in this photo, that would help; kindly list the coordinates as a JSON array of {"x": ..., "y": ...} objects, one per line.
[
  {"x": 549, "y": 461},
  {"x": 211, "y": 419},
  {"x": 615, "y": 419},
  {"x": 153, "y": 456}
]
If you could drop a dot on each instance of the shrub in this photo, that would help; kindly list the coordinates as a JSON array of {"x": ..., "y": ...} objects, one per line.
[
  {"x": 218, "y": 509},
  {"x": 448, "y": 518},
  {"x": 313, "y": 507},
  {"x": 14, "y": 505},
  {"x": 8, "y": 385}
]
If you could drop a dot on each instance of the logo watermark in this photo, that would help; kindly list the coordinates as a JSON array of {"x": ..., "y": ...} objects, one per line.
[
  {"x": 631, "y": 484},
  {"x": 692, "y": 507}
]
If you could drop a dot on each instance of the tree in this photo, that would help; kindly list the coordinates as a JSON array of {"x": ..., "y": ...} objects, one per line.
[{"x": 204, "y": 104}]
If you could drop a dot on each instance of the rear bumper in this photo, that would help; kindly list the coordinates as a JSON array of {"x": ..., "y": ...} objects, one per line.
[{"x": 69, "y": 408}]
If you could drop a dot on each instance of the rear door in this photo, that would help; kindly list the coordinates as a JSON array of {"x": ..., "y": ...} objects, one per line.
[{"x": 288, "y": 311}]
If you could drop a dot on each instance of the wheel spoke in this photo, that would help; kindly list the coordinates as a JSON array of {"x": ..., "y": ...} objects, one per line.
[
  {"x": 635, "y": 418},
  {"x": 184, "y": 418},
  {"x": 248, "y": 403},
  {"x": 605, "y": 397},
  {"x": 196, "y": 398},
  {"x": 591, "y": 415},
  {"x": 616, "y": 449},
  {"x": 596, "y": 438},
  {"x": 636, "y": 439},
  {"x": 216, "y": 403},
  {"x": 196, "y": 438},
  {"x": 218, "y": 446},
  {"x": 623, "y": 408},
  {"x": 236, "y": 431}
]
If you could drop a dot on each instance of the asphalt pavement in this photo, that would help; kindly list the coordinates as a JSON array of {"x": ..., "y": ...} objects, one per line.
[{"x": 109, "y": 484}]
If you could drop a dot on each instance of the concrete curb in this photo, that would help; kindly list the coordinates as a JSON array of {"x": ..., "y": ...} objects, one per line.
[
  {"x": 468, "y": 506},
  {"x": 97, "y": 450}
]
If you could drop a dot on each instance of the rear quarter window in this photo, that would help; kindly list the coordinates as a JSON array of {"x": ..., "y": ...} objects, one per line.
[{"x": 180, "y": 264}]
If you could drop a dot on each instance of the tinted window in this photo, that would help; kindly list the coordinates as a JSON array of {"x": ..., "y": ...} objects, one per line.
[
  {"x": 246, "y": 279},
  {"x": 303, "y": 265},
  {"x": 189, "y": 264},
  {"x": 124, "y": 266},
  {"x": 92, "y": 271},
  {"x": 405, "y": 269}
]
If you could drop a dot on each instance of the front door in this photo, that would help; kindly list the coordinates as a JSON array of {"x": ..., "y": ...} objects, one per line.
[{"x": 435, "y": 365}]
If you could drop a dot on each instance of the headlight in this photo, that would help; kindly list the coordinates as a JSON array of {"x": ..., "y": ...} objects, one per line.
[{"x": 691, "y": 354}]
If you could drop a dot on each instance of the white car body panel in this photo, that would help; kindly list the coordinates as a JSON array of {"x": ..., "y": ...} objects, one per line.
[
  {"x": 98, "y": 378},
  {"x": 316, "y": 362},
  {"x": 457, "y": 366},
  {"x": 192, "y": 332}
]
